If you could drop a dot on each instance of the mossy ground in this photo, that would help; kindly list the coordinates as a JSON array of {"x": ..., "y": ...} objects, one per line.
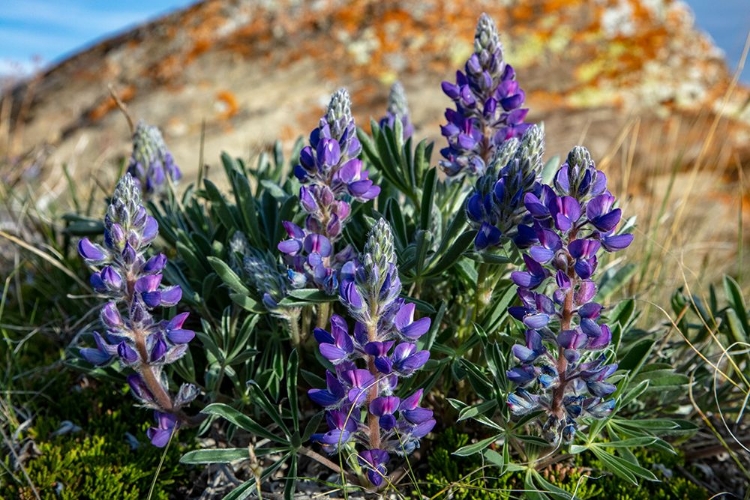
[
  {"x": 102, "y": 460},
  {"x": 464, "y": 478}
]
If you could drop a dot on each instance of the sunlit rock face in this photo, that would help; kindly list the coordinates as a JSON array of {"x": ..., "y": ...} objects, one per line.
[{"x": 241, "y": 73}]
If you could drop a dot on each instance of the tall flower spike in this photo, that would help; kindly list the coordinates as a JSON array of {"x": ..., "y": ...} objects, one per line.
[
  {"x": 398, "y": 110},
  {"x": 380, "y": 348},
  {"x": 151, "y": 163},
  {"x": 488, "y": 106},
  {"x": 132, "y": 283},
  {"x": 562, "y": 369},
  {"x": 332, "y": 177}
]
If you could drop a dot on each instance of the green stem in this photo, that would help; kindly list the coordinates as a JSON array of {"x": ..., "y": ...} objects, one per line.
[
  {"x": 324, "y": 311},
  {"x": 480, "y": 297},
  {"x": 293, "y": 321}
]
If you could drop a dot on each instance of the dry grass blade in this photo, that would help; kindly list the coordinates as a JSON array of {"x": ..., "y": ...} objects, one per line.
[{"x": 44, "y": 256}]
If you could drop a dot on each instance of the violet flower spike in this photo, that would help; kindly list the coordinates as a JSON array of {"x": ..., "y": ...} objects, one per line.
[
  {"x": 488, "y": 104},
  {"x": 151, "y": 163},
  {"x": 362, "y": 408},
  {"x": 572, "y": 221},
  {"x": 332, "y": 177},
  {"x": 133, "y": 284},
  {"x": 398, "y": 110}
]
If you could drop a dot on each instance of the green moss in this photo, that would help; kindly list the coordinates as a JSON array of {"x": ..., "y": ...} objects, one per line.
[
  {"x": 465, "y": 478},
  {"x": 97, "y": 462}
]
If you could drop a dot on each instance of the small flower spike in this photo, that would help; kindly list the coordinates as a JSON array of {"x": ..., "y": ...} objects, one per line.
[
  {"x": 332, "y": 177},
  {"x": 151, "y": 163},
  {"x": 398, "y": 110},
  {"x": 369, "y": 358}
]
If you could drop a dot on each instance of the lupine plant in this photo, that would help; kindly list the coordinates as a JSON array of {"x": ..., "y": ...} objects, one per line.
[
  {"x": 360, "y": 399},
  {"x": 331, "y": 175},
  {"x": 572, "y": 221},
  {"x": 131, "y": 282},
  {"x": 488, "y": 103},
  {"x": 355, "y": 274},
  {"x": 398, "y": 110},
  {"x": 151, "y": 164}
]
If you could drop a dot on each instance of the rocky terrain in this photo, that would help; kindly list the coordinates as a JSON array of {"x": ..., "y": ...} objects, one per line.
[{"x": 251, "y": 71}]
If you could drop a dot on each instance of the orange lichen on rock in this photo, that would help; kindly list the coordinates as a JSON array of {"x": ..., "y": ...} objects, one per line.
[
  {"x": 107, "y": 104},
  {"x": 227, "y": 103}
]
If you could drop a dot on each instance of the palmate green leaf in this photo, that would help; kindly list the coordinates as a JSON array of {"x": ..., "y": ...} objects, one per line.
[
  {"x": 210, "y": 345},
  {"x": 247, "y": 303},
  {"x": 623, "y": 468},
  {"x": 312, "y": 295},
  {"x": 249, "y": 487},
  {"x": 242, "y": 421},
  {"x": 655, "y": 425},
  {"x": 290, "y": 484},
  {"x": 636, "y": 356},
  {"x": 268, "y": 407},
  {"x": 477, "y": 379},
  {"x": 292, "y": 369},
  {"x": 471, "y": 449},
  {"x": 219, "y": 204},
  {"x": 633, "y": 393},
  {"x": 736, "y": 331},
  {"x": 548, "y": 488},
  {"x": 395, "y": 217},
  {"x": 421, "y": 305},
  {"x": 628, "y": 443},
  {"x": 614, "y": 279},
  {"x": 488, "y": 258},
  {"x": 661, "y": 377},
  {"x": 312, "y": 426},
  {"x": 441, "y": 263}
]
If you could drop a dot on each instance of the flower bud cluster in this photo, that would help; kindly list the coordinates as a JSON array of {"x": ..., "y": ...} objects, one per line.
[
  {"x": 496, "y": 207},
  {"x": 362, "y": 408},
  {"x": 563, "y": 370},
  {"x": 261, "y": 271},
  {"x": 151, "y": 163},
  {"x": 132, "y": 283},
  {"x": 398, "y": 109},
  {"x": 332, "y": 176},
  {"x": 488, "y": 103}
]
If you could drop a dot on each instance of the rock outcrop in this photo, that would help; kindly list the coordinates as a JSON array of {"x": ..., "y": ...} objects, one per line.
[{"x": 633, "y": 75}]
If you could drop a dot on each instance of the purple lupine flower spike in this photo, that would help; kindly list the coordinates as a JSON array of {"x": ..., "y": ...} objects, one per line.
[
  {"x": 496, "y": 208},
  {"x": 133, "y": 284},
  {"x": 380, "y": 348},
  {"x": 572, "y": 222},
  {"x": 332, "y": 177},
  {"x": 398, "y": 110},
  {"x": 151, "y": 163},
  {"x": 488, "y": 103}
]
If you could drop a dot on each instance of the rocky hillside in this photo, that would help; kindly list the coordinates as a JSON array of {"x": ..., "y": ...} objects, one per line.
[{"x": 633, "y": 79}]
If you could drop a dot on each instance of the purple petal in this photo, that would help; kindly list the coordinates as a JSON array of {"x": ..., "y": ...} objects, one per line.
[
  {"x": 170, "y": 296},
  {"x": 91, "y": 251},
  {"x": 411, "y": 402},
  {"x": 180, "y": 336},
  {"x": 150, "y": 230}
]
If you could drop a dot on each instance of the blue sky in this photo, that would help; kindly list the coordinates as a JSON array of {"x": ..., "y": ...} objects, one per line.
[{"x": 53, "y": 29}]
